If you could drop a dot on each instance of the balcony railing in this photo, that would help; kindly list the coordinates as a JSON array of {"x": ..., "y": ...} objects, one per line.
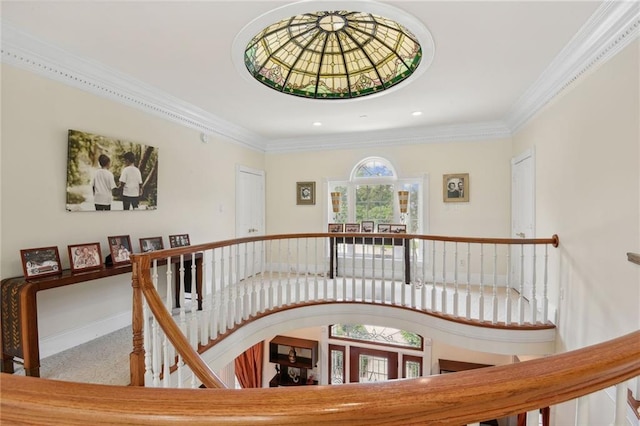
[
  {"x": 500, "y": 284},
  {"x": 449, "y": 399},
  {"x": 495, "y": 283}
]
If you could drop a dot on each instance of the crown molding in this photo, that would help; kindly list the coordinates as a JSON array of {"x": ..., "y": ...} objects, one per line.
[
  {"x": 418, "y": 135},
  {"x": 609, "y": 30},
  {"x": 26, "y": 52}
]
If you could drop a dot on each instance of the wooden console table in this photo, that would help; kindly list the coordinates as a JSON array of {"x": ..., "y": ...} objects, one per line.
[
  {"x": 378, "y": 241},
  {"x": 19, "y": 337}
]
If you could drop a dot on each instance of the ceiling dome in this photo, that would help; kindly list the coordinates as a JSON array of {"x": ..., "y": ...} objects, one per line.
[{"x": 333, "y": 55}]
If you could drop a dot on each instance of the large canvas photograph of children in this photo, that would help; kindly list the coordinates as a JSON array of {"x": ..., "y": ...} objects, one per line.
[{"x": 105, "y": 174}]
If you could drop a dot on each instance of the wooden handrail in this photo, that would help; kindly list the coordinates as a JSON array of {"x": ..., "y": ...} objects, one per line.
[
  {"x": 633, "y": 258},
  {"x": 450, "y": 399},
  {"x": 163, "y": 254},
  {"x": 141, "y": 278},
  {"x": 142, "y": 282}
]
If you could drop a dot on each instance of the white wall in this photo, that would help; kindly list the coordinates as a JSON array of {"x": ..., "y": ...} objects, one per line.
[
  {"x": 194, "y": 180},
  {"x": 587, "y": 145},
  {"x": 487, "y": 214}
]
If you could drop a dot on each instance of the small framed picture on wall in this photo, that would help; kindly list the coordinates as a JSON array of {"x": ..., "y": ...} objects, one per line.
[
  {"x": 455, "y": 188},
  {"x": 305, "y": 193}
]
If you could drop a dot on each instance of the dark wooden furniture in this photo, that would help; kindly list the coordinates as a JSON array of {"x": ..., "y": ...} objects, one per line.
[
  {"x": 20, "y": 310},
  {"x": 450, "y": 366},
  {"x": 378, "y": 241},
  {"x": 295, "y": 357}
]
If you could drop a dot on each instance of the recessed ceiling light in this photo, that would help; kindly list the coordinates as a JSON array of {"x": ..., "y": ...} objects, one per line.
[
  {"x": 416, "y": 113},
  {"x": 317, "y": 123}
]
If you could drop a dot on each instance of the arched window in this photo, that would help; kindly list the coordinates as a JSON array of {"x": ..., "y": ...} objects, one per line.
[{"x": 371, "y": 195}]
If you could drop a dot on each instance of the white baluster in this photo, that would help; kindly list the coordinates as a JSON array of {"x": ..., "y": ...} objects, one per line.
[
  {"x": 494, "y": 300},
  {"x": 534, "y": 301},
  {"x": 383, "y": 282},
  {"x": 468, "y": 295},
  {"x": 238, "y": 286},
  {"x": 533, "y": 417},
  {"x": 481, "y": 297},
  {"x": 545, "y": 298},
  {"x": 433, "y": 268},
  {"x": 393, "y": 282},
  {"x": 508, "y": 306},
  {"x": 414, "y": 273},
  {"x": 444, "y": 277},
  {"x": 423, "y": 244},
  {"x": 146, "y": 330},
  {"x": 203, "y": 326},
  {"x": 363, "y": 287},
  {"x": 353, "y": 269},
  {"x": 521, "y": 296},
  {"x": 374, "y": 290},
  {"x": 344, "y": 270},
  {"x": 170, "y": 295},
  {"x": 298, "y": 272},
  {"x": 307, "y": 269},
  {"x": 455, "y": 279},
  {"x": 621, "y": 404}
]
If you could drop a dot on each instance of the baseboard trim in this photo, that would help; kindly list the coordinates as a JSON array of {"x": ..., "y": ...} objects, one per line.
[{"x": 54, "y": 344}]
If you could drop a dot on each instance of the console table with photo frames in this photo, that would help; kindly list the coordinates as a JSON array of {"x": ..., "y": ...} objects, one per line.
[
  {"x": 19, "y": 337},
  {"x": 364, "y": 228}
]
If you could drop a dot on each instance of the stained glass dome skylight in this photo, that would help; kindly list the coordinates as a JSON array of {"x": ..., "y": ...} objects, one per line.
[{"x": 333, "y": 55}]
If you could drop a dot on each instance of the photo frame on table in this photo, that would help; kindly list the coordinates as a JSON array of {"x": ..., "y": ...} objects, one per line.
[
  {"x": 367, "y": 226},
  {"x": 120, "y": 249},
  {"x": 398, "y": 229},
  {"x": 179, "y": 240},
  {"x": 151, "y": 244},
  {"x": 384, "y": 227},
  {"x": 40, "y": 262},
  {"x": 336, "y": 227},
  {"x": 305, "y": 193},
  {"x": 85, "y": 257},
  {"x": 455, "y": 188},
  {"x": 351, "y": 227}
]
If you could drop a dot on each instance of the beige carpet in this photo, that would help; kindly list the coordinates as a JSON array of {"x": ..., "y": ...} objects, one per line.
[{"x": 104, "y": 360}]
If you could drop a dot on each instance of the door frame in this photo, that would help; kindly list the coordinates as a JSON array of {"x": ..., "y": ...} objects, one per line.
[
  {"x": 240, "y": 207},
  {"x": 527, "y": 155}
]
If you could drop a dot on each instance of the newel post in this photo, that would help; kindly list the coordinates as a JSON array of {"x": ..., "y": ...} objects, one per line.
[{"x": 136, "y": 358}]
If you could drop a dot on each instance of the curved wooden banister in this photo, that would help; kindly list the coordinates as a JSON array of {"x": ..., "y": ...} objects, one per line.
[
  {"x": 202, "y": 371},
  {"x": 450, "y": 399},
  {"x": 142, "y": 283},
  {"x": 188, "y": 250}
]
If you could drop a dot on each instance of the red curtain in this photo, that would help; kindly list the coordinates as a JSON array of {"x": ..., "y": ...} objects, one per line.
[{"x": 248, "y": 367}]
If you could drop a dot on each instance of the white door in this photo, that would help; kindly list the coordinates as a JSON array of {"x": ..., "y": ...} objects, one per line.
[
  {"x": 250, "y": 220},
  {"x": 522, "y": 219}
]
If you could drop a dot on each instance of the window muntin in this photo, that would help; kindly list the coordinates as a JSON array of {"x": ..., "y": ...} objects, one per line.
[
  {"x": 371, "y": 193},
  {"x": 376, "y": 334}
]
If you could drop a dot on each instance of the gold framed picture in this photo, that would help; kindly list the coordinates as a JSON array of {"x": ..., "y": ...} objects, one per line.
[
  {"x": 305, "y": 193},
  {"x": 455, "y": 188}
]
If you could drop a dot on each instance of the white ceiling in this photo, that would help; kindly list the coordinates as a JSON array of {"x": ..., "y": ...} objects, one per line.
[{"x": 493, "y": 66}]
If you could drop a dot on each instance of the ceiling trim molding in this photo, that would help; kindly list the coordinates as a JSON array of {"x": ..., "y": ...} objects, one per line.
[
  {"x": 412, "y": 136},
  {"x": 27, "y": 52},
  {"x": 609, "y": 30}
]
